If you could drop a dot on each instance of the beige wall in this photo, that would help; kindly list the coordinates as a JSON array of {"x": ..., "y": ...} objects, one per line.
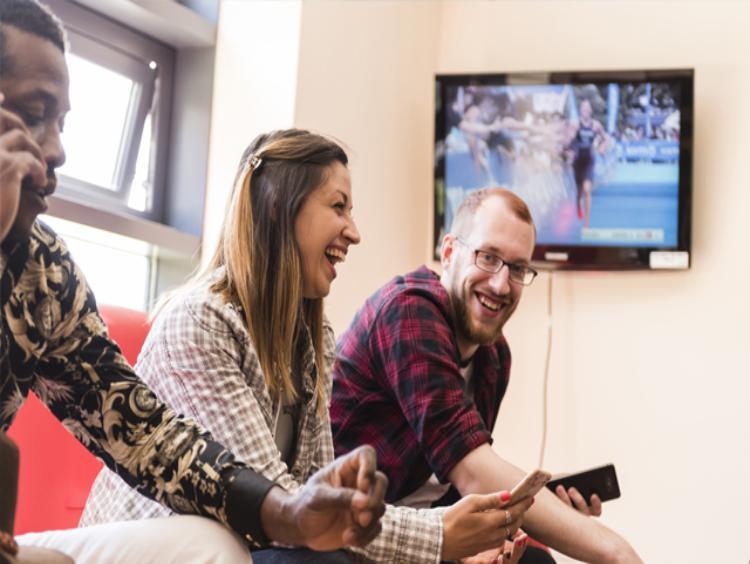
[
  {"x": 255, "y": 81},
  {"x": 648, "y": 370},
  {"x": 366, "y": 78}
]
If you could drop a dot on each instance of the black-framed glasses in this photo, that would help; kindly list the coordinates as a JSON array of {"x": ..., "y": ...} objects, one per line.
[{"x": 489, "y": 262}]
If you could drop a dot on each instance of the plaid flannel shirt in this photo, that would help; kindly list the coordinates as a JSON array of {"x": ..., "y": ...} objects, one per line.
[
  {"x": 200, "y": 359},
  {"x": 53, "y": 342},
  {"x": 397, "y": 384}
]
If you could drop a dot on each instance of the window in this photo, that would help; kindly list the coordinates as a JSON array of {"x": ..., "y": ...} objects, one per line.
[
  {"x": 130, "y": 196},
  {"x": 115, "y": 159},
  {"x": 115, "y": 135},
  {"x": 118, "y": 269},
  {"x": 112, "y": 204}
]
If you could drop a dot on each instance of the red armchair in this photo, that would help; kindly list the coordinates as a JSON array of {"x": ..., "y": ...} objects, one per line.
[{"x": 56, "y": 471}]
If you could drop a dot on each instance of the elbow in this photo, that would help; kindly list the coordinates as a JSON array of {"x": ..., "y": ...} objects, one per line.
[
  {"x": 465, "y": 482},
  {"x": 476, "y": 472}
]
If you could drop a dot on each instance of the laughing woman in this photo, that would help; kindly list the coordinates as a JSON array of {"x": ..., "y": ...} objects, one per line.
[{"x": 245, "y": 349}]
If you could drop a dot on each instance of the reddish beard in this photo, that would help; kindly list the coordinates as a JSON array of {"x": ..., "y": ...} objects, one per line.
[{"x": 464, "y": 326}]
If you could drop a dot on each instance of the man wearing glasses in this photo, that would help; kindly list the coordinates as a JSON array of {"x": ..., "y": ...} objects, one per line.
[{"x": 422, "y": 370}]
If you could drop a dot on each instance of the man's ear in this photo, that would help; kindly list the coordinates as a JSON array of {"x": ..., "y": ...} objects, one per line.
[{"x": 446, "y": 250}]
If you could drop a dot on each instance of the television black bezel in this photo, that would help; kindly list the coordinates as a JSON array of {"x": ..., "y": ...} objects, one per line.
[{"x": 583, "y": 257}]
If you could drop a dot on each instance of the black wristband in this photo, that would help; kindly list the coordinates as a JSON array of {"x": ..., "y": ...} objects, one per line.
[{"x": 245, "y": 495}]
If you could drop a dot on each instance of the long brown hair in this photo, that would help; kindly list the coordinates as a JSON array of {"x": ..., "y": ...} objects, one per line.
[{"x": 261, "y": 259}]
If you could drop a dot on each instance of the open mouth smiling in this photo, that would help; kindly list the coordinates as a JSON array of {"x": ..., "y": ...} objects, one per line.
[
  {"x": 488, "y": 303},
  {"x": 335, "y": 255}
]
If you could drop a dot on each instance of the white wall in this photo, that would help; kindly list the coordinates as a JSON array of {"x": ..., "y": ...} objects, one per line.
[
  {"x": 255, "y": 80},
  {"x": 366, "y": 78},
  {"x": 648, "y": 369}
]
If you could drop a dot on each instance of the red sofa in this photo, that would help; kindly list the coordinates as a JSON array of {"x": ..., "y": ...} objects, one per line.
[{"x": 56, "y": 470}]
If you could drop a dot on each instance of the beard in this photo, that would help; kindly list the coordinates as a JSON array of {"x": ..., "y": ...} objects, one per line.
[{"x": 465, "y": 326}]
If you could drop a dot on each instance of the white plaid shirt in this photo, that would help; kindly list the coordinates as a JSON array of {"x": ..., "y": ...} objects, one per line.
[{"x": 199, "y": 359}]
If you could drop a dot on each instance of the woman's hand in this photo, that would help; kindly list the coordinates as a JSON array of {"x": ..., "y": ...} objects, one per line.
[
  {"x": 478, "y": 523},
  {"x": 510, "y": 553}
]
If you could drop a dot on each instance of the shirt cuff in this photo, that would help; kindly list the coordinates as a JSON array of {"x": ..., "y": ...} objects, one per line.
[
  {"x": 245, "y": 495},
  {"x": 408, "y": 535}
]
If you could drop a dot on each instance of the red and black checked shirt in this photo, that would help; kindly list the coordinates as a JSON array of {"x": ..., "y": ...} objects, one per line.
[{"x": 397, "y": 384}]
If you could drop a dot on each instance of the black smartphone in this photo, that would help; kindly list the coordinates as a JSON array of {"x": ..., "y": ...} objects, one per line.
[{"x": 601, "y": 481}]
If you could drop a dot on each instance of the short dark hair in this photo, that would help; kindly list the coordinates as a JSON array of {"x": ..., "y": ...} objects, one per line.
[{"x": 32, "y": 17}]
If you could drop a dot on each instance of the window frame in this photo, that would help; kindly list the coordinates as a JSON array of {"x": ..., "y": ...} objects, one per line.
[
  {"x": 121, "y": 49},
  {"x": 179, "y": 174}
]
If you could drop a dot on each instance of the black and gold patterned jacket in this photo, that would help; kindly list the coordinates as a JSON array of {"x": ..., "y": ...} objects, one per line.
[{"x": 53, "y": 342}]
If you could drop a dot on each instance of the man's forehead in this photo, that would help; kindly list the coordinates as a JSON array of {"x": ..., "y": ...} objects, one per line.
[
  {"x": 31, "y": 57},
  {"x": 494, "y": 213},
  {"x": 498, "y": 229}
]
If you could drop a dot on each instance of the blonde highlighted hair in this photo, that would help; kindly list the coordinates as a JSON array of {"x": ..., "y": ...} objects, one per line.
[{"x": 262, "y": 267}]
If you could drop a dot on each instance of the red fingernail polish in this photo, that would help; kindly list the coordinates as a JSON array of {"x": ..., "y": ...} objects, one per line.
[{"x": 504, "y": 496}]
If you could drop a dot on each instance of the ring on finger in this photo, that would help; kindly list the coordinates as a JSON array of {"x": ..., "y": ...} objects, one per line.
[{"x": 507, "y": 517}]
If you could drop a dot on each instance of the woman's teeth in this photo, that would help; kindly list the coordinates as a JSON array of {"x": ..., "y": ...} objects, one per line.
[{"x": 335, "y": 255}]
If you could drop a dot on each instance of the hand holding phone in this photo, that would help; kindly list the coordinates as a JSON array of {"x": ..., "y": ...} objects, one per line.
[
  {"x": 601, "y": 481},
  {"x": 529, "y": 486}
]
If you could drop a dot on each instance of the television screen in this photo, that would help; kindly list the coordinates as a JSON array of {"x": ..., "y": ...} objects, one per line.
[{"x": 603, "y": 160}]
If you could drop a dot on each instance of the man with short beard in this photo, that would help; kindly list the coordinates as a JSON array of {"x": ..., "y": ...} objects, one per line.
[{"x": 422, "y": 370}]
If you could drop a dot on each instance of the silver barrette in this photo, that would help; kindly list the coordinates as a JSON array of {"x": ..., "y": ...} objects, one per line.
[{"x": 255, "y": 162}]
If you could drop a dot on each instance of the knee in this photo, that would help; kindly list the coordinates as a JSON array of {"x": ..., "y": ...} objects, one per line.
[
  {"x": 167, "y": 540},
  {"x": 203, "y": 540}
]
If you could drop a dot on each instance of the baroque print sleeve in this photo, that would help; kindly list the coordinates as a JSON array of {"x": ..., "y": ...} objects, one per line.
[{"x": 86, "y": 382}]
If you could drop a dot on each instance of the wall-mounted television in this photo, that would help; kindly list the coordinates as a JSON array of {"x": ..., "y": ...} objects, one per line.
[{"x": 602, "y": 159}]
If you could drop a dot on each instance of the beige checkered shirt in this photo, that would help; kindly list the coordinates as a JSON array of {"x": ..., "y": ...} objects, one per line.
[{"x": 199, "y": 359}]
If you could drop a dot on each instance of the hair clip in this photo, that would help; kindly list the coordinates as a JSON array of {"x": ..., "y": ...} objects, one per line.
[{"x": 255, "y": 162}]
